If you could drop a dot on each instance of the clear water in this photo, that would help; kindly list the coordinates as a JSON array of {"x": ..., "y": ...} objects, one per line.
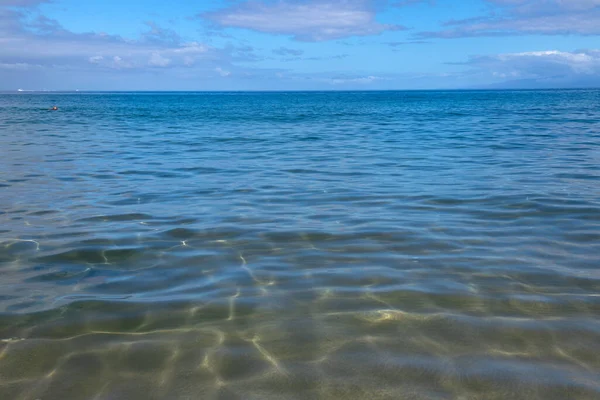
[{"x": 379, "y": 245}]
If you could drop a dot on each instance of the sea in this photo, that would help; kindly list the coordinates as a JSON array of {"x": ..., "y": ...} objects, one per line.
[{"x": 300, "y": 245}]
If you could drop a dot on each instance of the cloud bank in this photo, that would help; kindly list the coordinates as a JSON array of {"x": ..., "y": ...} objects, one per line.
[
  {"x": 527, "y": 17},
  {"x": 308, "y": 21},
  {"x": 38, "y": 52},
  {"x": 542, "y": 69},
  {"x": 38, "y": 49}
]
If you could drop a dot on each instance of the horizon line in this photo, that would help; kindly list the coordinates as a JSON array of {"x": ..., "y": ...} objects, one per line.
[{"x": 28, "y": 91}]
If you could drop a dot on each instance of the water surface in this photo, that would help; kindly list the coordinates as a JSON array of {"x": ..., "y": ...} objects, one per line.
[{"x": 368, "y": 245}]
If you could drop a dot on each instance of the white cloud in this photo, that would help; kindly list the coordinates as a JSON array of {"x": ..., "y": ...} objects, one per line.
[
  {"x": 316, "y": 20},
  {"x": 18, "y": 66},
  {"x": 157, "y": 60},
  {"x": 285, "y": 51},
  {"x": 119, "y": 63},
  {"x": 95, "y": 59},
  {"x": 47, "y": 43},
  {"x": 528, "y": 17},
  {"x": 222, "y": 72},
  {"x": 552, "y": 67},
  {"x": 191, "y": 48}
]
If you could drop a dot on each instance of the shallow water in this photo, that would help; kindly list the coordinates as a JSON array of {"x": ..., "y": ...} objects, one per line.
[{"x": 374, "y": 245}]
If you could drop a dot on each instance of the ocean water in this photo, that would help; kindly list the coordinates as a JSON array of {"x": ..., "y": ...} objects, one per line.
[{"x": 342, "y": 245}]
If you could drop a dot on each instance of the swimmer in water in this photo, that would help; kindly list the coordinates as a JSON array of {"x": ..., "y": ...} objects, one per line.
[{"x": 54, "y": 108}]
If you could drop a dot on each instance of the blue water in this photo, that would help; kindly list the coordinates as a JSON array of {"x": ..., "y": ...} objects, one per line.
[{"x": 355, "y": 245}]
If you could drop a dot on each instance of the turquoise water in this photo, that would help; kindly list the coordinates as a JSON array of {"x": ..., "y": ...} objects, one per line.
[{"x": 355, "y": 245}]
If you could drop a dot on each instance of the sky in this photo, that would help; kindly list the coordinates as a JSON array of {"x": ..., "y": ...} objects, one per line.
[{"x": 298, "y": 44}]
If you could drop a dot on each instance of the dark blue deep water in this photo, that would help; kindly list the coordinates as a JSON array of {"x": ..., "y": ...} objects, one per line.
[{"x": 359, "y": 245}]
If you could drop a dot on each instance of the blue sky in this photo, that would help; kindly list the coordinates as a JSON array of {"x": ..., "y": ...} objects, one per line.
[{"x": 298, "y": 45}]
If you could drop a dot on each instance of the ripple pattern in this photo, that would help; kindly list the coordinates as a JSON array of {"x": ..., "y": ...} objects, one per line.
[{"x": 356, "y": 245}]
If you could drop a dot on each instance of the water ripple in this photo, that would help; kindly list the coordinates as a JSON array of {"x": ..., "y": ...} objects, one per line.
[{"x": 300, "y": 245}]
